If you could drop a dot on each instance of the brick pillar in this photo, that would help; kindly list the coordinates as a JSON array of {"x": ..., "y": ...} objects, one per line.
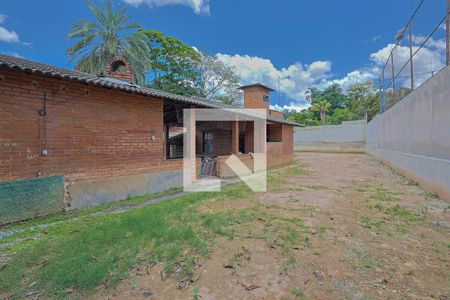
[{"x": 235, "y": 137}]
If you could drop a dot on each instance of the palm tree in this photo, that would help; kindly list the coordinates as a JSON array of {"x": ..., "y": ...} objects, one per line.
[
  {"x": 322, "y": 107},
  {"x": 110, "y": 35}
]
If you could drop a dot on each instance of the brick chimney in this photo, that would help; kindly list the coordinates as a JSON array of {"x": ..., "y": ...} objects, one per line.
[
  {"x": 257, "y": 96},
  {"x": 119, "y": 68}
]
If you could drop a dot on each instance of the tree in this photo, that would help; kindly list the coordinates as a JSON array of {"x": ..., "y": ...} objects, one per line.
[
  {"x": 322, "y": 107},
  {"x": 332, "y": 94},
  {"x": 173, "y": 64},
  {"x": 305, "y": 117},
  {"x": 363, "y": 99},
  {"x": 340, "y": 115},
  {"x": 217, "y": 80},
  {"x": 229, "y": 100},
  {"x": 110, "y": 35}
]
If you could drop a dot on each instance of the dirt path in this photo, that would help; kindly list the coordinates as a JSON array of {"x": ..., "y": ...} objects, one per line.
[{"x": 336, "y": 226}]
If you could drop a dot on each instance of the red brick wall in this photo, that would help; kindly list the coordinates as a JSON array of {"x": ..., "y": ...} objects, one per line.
[
  {"x": 222, "y": 142},
  {"x": 281, "y": 153},
  {"x": 89, "y": 132},
  {"x": 278, "y": 154},
  {"x": 253, "y": 98},
  {"x": 277, "y": 114},
  {"x": 275, "y": 132}
]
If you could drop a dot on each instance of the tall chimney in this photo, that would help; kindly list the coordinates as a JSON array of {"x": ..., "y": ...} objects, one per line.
[
  {"x": 119, "y": 68},
  {"x": 257, "y": 96}
]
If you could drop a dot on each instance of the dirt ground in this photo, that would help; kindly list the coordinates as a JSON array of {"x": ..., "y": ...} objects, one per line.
[{"x": 366, "y": 233}]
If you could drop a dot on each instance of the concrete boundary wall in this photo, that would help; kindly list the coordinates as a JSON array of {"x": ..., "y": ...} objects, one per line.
[
  {"x": 347, "y": 137},
  {"x": 413, "y": 137}
]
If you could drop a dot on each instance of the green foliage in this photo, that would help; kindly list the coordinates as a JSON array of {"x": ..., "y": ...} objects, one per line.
[
  {"x": 333, "y": 105},
  {"x": 332, "y": 94},
  {"x": 322, "y": 107},
  {"x": 110, "y": 35},
  {"x": 363, "y": 100},
  {"x": 306, "y": 117},
  {"x": 227, "y": 99},
  {"x": 340, "y": 115},
  {"x": 218, "y": 81},
  {"x": 173, "y": 64}
]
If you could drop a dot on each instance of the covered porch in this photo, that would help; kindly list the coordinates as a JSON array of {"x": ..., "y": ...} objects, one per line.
[{"x": 215, "y": 141}]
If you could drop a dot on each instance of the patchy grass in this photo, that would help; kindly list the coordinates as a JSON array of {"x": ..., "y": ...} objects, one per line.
[
  {"x": 274, "y": 179},
  {"x": 103, "y": 248},
  {"x": 292, "y": 199},
  {"x": 296, "y": 170},
  {"x": 289, "y": 265},
  {"x": 298, "y": 294},
  {"x": 78, "y": 252},
  {"x": 317, "y": 187},
  {"x": 410, "y": 272},
  {"x": 384, "y": 195},
  {"x": 367, "y": 222},
  {"x": 406, "y": 214},
  {"x": 364, "y": 258}
]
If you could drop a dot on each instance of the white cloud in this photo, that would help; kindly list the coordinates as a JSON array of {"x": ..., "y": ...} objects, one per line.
[
  {"x": 428, "y": 60},
  {"x": 298, "y": 107},
  {"x": 15, "y": 54},
  {"x": 7, "y": 36},
  {"x": 198, "y": 6},
  {"x": 373, "y": 39},
  {"x": 295, "y": 79}
]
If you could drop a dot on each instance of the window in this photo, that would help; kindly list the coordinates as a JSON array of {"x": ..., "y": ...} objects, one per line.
[
  {"x": 208, "y": 142},
  {"x": 118, "y": 67},
  {"x": 174, "y": 142},
  {"x": 266, "y": 98}
]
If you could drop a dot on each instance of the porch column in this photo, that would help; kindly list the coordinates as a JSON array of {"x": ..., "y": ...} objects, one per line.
[
  {"x": 249, "y": 137},
  {"x": 235, "y": 137}
]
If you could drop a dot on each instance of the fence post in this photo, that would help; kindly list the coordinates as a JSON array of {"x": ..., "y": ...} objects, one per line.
[
  {"x": 411, "y": 55},
  {"x": 381, "y": 91},
  {"x": 393, "y": 76},
  {"x": 447, "y": 32}
]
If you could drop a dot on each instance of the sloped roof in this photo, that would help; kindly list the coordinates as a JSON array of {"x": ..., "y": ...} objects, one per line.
[
  {"x": 257, "y": 85},
  {"x": 32, "y": 67}
]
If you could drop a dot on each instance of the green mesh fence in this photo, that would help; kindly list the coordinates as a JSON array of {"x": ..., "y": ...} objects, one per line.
[{"x": 28, "y": 198}]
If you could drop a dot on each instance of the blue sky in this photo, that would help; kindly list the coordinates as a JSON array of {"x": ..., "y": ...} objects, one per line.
[{"x": 301, "y": 42}]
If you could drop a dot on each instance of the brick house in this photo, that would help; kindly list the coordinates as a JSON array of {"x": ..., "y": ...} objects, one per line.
[{"x": 71, "y": 140}]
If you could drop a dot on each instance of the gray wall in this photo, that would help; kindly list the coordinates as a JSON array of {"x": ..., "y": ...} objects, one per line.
[
  {"x": 347, "y": 137},
  {"x": 90, "y": 193},
  {"x": 414, "y": 135}
]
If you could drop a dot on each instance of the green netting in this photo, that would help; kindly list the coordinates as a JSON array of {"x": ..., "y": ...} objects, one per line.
[{"x": 28, "y": 198}]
